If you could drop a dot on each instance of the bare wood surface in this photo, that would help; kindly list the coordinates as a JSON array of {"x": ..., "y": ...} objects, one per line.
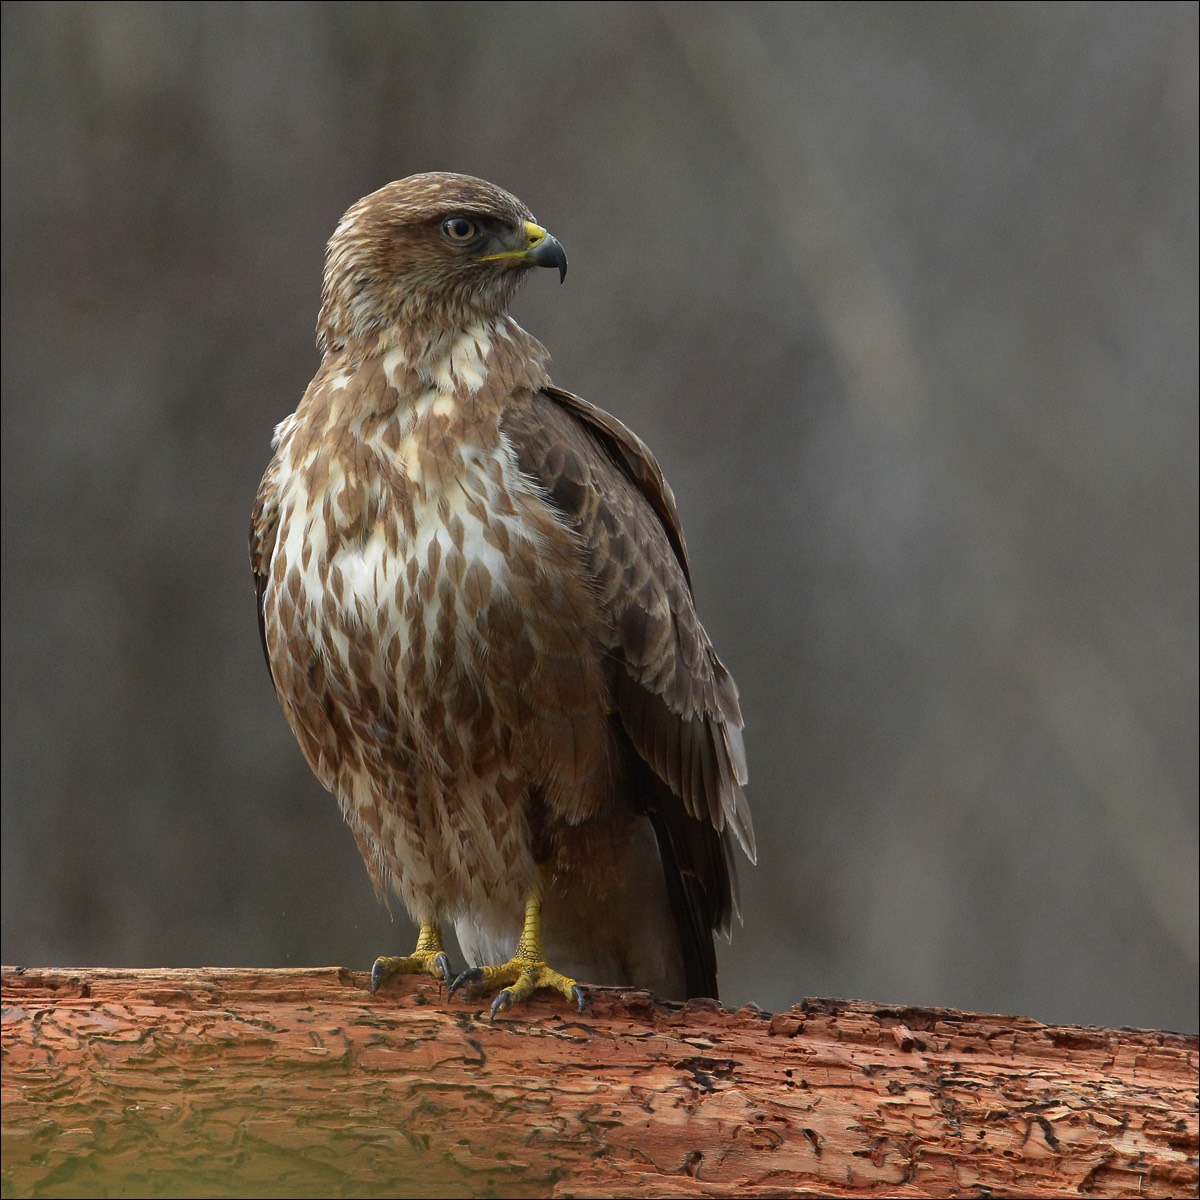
[{"x": 215, "y": 1082}]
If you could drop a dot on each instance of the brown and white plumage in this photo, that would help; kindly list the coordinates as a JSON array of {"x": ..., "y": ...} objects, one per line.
[{"x": 476, "y": 608}]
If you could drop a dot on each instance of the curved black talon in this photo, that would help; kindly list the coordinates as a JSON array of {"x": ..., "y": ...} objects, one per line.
[
  {"x": 580, "y": 998},
  {"x": 502, "y": 1003},
  {"x": 378, "y": 975},
  {"x": 443, "y": 964},
  {"x": 470, "y": 976}
]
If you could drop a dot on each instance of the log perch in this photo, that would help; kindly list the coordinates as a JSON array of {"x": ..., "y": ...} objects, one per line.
[{"x": 214, "y": 1082}]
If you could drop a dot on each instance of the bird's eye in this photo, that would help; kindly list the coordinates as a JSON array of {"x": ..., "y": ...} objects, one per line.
[{"x": 460, "y": 229}]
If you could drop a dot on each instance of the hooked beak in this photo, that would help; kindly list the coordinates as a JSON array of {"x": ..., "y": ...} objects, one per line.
[{"x": 541, "y": 249}]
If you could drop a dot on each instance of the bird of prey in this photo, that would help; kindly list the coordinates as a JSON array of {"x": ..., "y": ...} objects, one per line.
[{"x": 474, "y": 599}]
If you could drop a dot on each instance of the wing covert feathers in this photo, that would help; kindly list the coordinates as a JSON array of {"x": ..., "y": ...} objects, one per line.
[
  {"x": 672, "y": 696},
  {"x": 264, "y": 525}
]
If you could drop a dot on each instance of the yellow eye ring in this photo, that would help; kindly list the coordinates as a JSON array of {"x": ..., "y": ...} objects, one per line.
[{"x": 460, "y": 230}]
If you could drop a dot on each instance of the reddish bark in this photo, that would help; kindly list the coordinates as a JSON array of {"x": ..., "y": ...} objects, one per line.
[{"x": 300, "y": 1083}]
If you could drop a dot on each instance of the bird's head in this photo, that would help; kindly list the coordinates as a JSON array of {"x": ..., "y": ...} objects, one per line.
[{"x": 433, "y": 252}]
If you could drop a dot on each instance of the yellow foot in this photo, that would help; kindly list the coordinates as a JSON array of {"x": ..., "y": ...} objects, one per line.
[
  {"x": 524, "y": 973},
  {"x": 524, "y": 977},
  {"x": 427, "y": 959}
]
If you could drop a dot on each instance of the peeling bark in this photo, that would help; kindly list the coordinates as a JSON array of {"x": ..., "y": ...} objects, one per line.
[{"x": 299, "y": 1083}]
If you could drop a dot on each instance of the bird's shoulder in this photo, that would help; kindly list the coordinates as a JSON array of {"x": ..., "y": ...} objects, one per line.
[
  {"x": 674, "y": 697},
  {"x": 589, "y": 461}
]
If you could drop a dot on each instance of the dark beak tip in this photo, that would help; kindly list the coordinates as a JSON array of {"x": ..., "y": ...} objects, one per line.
[{"x": 549, "y": 253}]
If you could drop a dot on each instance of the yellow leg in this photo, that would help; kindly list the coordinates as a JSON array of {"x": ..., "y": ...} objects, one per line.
[
  {"x": 524, "y": 973},
  {"x": 427, "y": 959}
]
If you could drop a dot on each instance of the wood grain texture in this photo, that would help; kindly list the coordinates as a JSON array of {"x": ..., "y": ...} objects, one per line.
[{"x": 213, "y": 1082}]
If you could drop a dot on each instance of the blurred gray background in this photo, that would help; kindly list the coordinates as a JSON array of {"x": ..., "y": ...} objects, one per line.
[{"x": 904, "y": 297}]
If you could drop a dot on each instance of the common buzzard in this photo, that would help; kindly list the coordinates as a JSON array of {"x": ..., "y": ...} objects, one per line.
[{"x": 474, "y": 598}]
